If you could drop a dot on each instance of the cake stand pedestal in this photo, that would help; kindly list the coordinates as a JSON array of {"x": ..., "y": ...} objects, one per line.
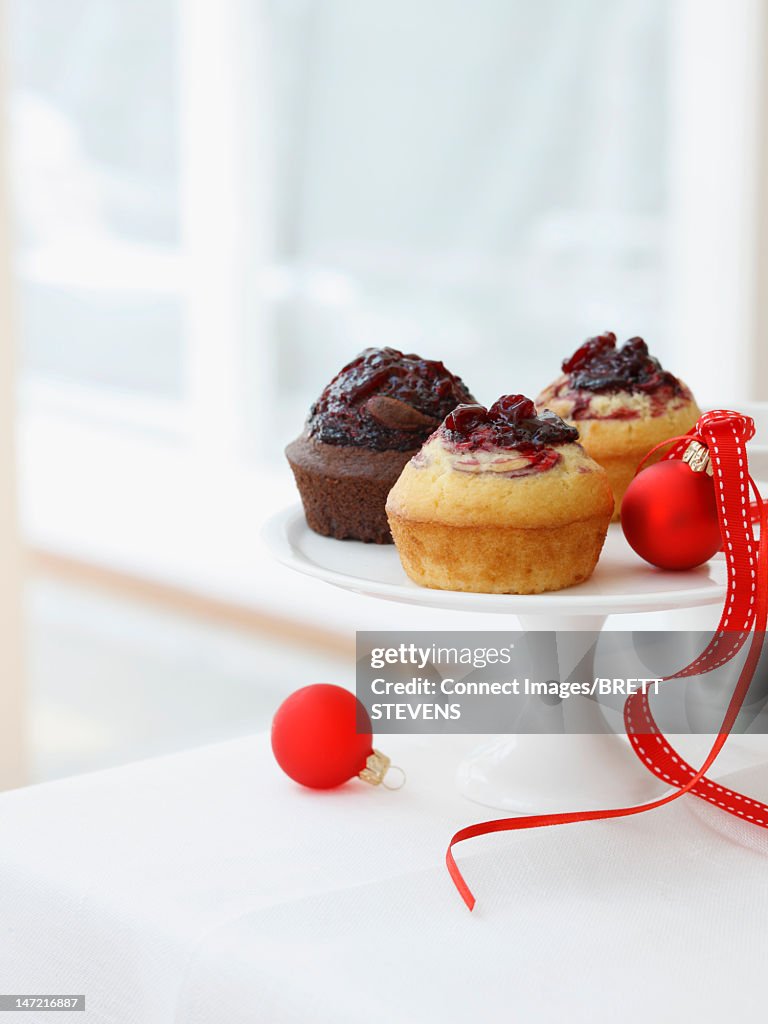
[
  {"x": 554, "y": 768},
  {"x": 546, "y": 770}
]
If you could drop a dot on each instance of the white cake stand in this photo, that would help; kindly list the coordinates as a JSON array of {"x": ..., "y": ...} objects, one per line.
[{"x": 536, "y": 772}]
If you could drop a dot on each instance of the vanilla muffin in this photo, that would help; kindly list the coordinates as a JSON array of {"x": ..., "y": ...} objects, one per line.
[
  {"x": 500, "y": 501},
  {"x": 623, "y": 402},
  {"x": 368, "y": 422}
]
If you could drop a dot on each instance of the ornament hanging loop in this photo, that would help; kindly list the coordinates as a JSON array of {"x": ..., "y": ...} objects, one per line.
[
  {"x": 377, "y": 765},
  {"x": 400, "y": 774}
]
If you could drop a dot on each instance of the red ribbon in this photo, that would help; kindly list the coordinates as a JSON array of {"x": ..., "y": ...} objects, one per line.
[{"x": 745, "y": 612}]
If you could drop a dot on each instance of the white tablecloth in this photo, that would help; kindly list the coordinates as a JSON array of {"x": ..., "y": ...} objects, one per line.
[{"x": 206, "y": 888}]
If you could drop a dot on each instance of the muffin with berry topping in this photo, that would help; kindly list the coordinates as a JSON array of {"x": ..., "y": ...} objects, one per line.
[
  {"x": 500, "y": 501},
  {"x": 622, "y": 401},
  {"x": 364, "y": 427}
]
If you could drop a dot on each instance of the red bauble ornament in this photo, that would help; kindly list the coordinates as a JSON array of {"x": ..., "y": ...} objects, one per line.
[
  {"x": 315, "y": 737},
  {"x": 669, "y": 516}
]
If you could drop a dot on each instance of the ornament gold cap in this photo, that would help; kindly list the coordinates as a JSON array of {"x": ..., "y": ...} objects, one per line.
[
  {"x": 697, "y": 457},
  {"x": 376, "y": 767}
]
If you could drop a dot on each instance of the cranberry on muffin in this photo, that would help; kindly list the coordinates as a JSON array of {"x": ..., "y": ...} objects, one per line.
[
  {"x": 623, "y": 402},
  {"x": 501, "y": 501},
  {"x": 364, "y": 427}
]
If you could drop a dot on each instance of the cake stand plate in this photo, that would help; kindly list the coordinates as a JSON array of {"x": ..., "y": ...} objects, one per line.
[
  {"x": 622, "y": 582},
  {"x": 545, "y": 771}
]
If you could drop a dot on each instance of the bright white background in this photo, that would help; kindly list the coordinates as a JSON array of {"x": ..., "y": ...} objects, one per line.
[{"x": 214, "y": 205}]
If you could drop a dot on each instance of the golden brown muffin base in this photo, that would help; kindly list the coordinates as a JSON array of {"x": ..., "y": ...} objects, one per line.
[
  {"x": 619, "y": 445},
  {"x": 499, "y": 559}
]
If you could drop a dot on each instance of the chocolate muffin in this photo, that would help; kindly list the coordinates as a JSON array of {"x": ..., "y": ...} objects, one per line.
[{"x": 365, "y": 426}]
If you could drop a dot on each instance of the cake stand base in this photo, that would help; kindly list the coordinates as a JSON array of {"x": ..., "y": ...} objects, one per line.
[{"x": 543, "y": 774}]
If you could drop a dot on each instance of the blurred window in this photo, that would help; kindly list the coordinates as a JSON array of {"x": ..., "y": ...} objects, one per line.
[
  {"x": 96, "y": 165},
  {"x": 480, "y": 182},
  {"x": 218, "y": 204}
]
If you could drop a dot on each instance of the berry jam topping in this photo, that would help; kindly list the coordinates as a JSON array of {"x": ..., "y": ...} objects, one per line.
[
  {"x": 599, "y": 366},
  {"x": 511, "y": 422},
  {"x": 385, "y": 400}
]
